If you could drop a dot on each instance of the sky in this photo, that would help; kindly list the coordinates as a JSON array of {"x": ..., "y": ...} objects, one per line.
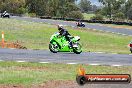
[{"x": 94, "y": 2}]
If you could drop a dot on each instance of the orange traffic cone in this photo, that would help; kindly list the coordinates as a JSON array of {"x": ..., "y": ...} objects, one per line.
[{"x": 3, "y": 41}]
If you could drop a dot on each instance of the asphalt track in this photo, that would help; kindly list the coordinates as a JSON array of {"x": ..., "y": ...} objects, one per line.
[
  {"x": 73, "y": 24},
  {"x": 43, "y": 56}
]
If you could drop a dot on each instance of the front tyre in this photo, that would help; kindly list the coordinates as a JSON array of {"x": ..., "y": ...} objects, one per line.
[
  {"x": 131, "y": 49},
  {"x": 78, "y": 49},
  {"x": 53, "y": 48}
]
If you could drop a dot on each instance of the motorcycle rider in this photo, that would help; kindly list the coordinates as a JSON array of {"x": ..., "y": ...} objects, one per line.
[
  {"x": 64, "y": 32},
  {"x": 4, "y": 12}
]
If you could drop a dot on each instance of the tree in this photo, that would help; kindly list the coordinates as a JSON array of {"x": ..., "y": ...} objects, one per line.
[
  {"x": 129, "y": 14},
  {"x": 85, "y": 6},
  {"x": 94, "y": 8},
  {"x": 128, "y": 9},
  {"x": 13, "y": 6},
  {"x": 119, "y": 16},
  {"x": 59, "y": 8},
  {"x": 111, "y": 7}
]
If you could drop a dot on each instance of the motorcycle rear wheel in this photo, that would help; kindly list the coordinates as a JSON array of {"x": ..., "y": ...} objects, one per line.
[{"x": 52, "y": 48}]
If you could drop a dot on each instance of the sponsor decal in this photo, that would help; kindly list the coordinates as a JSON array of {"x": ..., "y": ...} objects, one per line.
[{"x": 83, "y": 78}]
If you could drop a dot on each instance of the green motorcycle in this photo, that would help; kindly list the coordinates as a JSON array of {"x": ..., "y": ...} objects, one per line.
[{"x": 59, "y": 43}]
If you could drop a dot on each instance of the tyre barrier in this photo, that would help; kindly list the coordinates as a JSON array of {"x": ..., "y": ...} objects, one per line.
[{"x": 88, "y": 21}]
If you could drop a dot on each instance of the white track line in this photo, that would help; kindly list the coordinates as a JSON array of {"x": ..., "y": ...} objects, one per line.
[
  {"x": 124, "y": 34},
  {"x": 71, "y": 63},
  {"x": 99, "y": 52},
  {"x": 20, "y": 61},
  {"x": 116, "y": 65},
  {"x": 94, "y": 64},
  {"x": 44, "y": 62}
]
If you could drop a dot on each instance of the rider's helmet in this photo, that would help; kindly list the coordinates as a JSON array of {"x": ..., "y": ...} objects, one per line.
[{"x": 60, "y": 27}]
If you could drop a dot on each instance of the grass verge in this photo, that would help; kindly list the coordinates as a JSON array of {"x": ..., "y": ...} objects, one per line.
[
  {"x": 88, "y": 16},
  {"x": 117, "y": 26},
  {"x": 37, "y": 35},
  {"x": 36, "y": 73}
]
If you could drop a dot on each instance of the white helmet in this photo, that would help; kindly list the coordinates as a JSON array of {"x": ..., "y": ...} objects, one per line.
[{"x": 60, "y": 26}]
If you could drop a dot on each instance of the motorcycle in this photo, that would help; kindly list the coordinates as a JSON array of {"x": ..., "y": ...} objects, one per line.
[
  {"x": 3, "y": 15},
  {"x": 130, "y": 45},
  {"x": 79, "y": 24},
  {"x": 59, "y": 43}
]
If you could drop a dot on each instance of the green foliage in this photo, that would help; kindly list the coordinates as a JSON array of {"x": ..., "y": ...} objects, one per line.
[
  {"x": 97, "y": 17},
  {"x": 117, "y": 9},
  {"x": 75, "y": 15},
  {"x": 21, "y": 10},
  {"x": 111, "y": 7},
  {"x": 56, "y": 8},
  {"x": 88, "y": 16},
  {"x": 32, "y": 14},
  {"x": 13, "y": 6},
  {"x": 85, "y": 6},
  {"x": 128, "y": 9},
  {"x": 129, "y": 13},
  {"x": 119, "y": 16}
]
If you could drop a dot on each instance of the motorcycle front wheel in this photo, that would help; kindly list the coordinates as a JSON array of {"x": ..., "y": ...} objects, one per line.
[
  {"x": 131, "y": 49},
  {"x": 78, "y": 49},
  {"x": 53, "y": 48}
]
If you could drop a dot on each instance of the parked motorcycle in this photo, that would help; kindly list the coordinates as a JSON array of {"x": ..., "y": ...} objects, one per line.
[{"x": 59, "y": 43}]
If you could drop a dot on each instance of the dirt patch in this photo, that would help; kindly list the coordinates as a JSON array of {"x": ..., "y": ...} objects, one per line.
[
  {"x": 11, "y": 86},
  {"x": 50, "y": 84},
  {"x": 56, "y": 84}
]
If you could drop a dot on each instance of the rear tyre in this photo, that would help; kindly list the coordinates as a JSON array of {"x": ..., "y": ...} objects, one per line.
[
  {"x": 53, "y": 48},
  {"x": 131, "y": 49},
  {"x": 78, "y": 49},
  {"x": 8, "y": 16},
  {"x": 83, "y": 25}
]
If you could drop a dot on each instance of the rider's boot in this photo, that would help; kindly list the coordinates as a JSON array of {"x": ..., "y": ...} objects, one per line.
[{"x": 70, "y": 44}]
